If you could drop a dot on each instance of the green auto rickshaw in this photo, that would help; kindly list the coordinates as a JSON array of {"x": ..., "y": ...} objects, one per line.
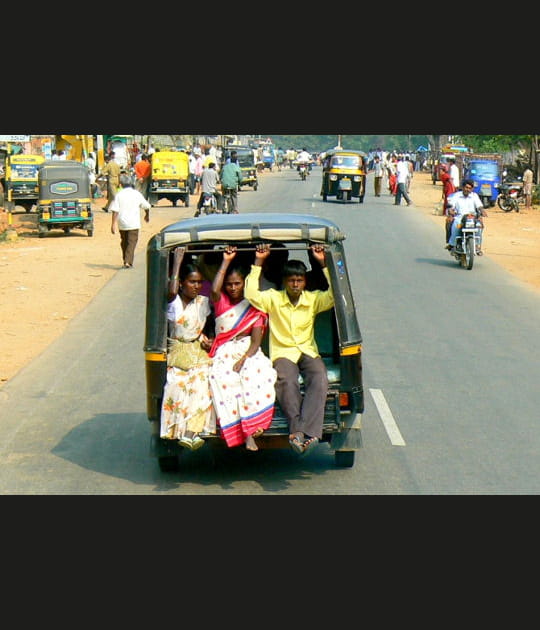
[
  {"x": 65, "y": 199},
  {"x": 337, "y": 332}
]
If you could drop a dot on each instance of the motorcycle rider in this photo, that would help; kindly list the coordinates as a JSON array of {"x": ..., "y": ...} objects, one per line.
[
  {"x": 209, "y": 183},
  {"x": 462, "y": 202},
  {"x": 303, "y": 157}
]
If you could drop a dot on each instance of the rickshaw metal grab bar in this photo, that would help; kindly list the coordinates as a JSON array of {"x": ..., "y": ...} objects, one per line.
[{"x": 337, "y": 332}]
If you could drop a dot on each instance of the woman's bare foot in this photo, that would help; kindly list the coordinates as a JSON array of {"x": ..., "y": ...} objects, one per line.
[
  {"x": 251, "y": 445},
  {"x": 258, "y": 433}
]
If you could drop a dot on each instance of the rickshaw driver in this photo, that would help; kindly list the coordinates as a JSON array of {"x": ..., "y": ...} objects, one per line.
[{"x": 292, "y": 347}]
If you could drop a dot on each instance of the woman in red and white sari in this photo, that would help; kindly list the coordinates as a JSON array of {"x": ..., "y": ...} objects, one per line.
[{"x": 242, "y": 379}]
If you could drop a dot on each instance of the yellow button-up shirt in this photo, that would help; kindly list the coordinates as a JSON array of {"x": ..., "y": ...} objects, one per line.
[{"x": 291, "y": 326}]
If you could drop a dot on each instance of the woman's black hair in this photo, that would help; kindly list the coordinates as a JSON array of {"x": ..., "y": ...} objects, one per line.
[
  {"x": 186, "y": 269},
  {"x": 239, "y": 269}
]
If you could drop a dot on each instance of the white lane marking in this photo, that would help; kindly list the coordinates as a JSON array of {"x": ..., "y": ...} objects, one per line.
[{"x": 387, "y": 418}]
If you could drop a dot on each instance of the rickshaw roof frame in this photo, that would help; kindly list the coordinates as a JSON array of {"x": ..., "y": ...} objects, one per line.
[
  {"x": 50, "y": 165},
  {"x": 345, "y": 152},
  {"x": 266, "y": 226}
]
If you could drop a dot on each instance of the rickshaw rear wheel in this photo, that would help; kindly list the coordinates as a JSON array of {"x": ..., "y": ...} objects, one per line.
[
  {"x": 168, "y": 463},
  {"x": 344, "y": 459},
  {"x": 90, "y": 232}
]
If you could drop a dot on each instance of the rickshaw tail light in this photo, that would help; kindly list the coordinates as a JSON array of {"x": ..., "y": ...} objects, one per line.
[
  {"x": 357, "y": 178},
  {"x": 333, "y": 177},
  {"x": 346, "y": 352},
  {"x": 343, "y": 399}
]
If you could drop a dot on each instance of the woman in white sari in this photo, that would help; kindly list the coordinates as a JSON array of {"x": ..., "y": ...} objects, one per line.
[
  {"x": 187, "y": 408},
  {"x": 242, "y": 379}
]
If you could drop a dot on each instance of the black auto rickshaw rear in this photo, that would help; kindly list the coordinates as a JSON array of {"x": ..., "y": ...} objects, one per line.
[
  {"x": 336, "y": 331},
  {"x": 65, "y": 199}
]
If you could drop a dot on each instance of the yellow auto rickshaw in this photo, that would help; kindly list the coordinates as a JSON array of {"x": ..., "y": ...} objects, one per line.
[
  {"x": 21, "y": 180},
  {"x": 344, "y": 175},
  {"x": 170, "y": 177}
]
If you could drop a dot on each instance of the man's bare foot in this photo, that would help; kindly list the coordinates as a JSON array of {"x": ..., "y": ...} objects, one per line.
[{"x": 251, "y": 445}]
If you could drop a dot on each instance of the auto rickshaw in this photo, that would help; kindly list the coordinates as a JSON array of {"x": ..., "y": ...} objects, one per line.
[
  {"x": 268, "y": 156},
  {"x": 21, "y": 180},
  {"x": 337, "y": 331},
  {"x": 170, "y": 177},
  {"x": 65, "y": 199},
  {"x": 344, "y": 175},
  {"x": 246, "y": 161}
]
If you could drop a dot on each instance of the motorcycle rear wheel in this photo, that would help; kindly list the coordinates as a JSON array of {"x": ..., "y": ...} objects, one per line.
[{"x": 504, "y": 203}]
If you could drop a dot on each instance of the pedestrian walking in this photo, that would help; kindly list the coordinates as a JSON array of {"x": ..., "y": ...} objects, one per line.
[
  {"x": 126, "y": 217},
  {"x": 402, "y": 173},
  {"x": 378, "y": 171}
]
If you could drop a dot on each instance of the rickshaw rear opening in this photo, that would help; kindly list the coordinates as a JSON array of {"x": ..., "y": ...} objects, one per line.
[{"x": 337, "y": 331}]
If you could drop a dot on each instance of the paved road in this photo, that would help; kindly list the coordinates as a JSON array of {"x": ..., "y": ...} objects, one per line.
[{"x": 450, "y": 375}]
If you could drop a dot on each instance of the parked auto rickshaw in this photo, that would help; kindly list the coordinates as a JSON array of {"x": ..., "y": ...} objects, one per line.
[
  {"x": 65, "y": 199},
  {"x": 485, "y": 169},
  {"x": 337, "y": 332},
  {"x": 170, "y": 177},
  {"x": 21, "y": 180},
  {"x": 344, "y": 175}
]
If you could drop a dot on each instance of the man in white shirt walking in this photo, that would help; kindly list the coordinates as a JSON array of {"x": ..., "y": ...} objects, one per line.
[
  {"x": 126, "y": 217},
  {"x": 402, "y": 174}
]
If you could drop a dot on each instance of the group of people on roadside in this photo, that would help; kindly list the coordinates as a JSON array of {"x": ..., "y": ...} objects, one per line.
[
  {"x": 395, "y": 172},
  {"x": 219, "y": 380}
]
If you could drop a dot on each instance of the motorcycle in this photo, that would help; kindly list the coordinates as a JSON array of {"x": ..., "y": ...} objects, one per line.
[
  {"x": 209, "y": 204},
  {"x": 468, "y": 241},
  {"x": 510, "y": 194},
  {"x": 303, "y": 169}
]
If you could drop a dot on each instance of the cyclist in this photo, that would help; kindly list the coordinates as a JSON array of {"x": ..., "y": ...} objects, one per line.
[{"x": 231, "y": 179}]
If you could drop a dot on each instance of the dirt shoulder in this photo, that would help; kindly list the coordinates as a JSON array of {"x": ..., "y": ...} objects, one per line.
[{"x": 45, "y": 282}]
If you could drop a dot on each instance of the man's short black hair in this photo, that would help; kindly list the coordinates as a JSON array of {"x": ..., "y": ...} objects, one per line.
[{"x": 294, "y": 268}]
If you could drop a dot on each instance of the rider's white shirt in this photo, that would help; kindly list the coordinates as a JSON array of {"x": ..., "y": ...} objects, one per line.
[{"x": 463, "y": 204}]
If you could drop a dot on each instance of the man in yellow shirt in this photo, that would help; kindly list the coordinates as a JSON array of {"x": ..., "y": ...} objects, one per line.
[{"x": 292, "y": 347}]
